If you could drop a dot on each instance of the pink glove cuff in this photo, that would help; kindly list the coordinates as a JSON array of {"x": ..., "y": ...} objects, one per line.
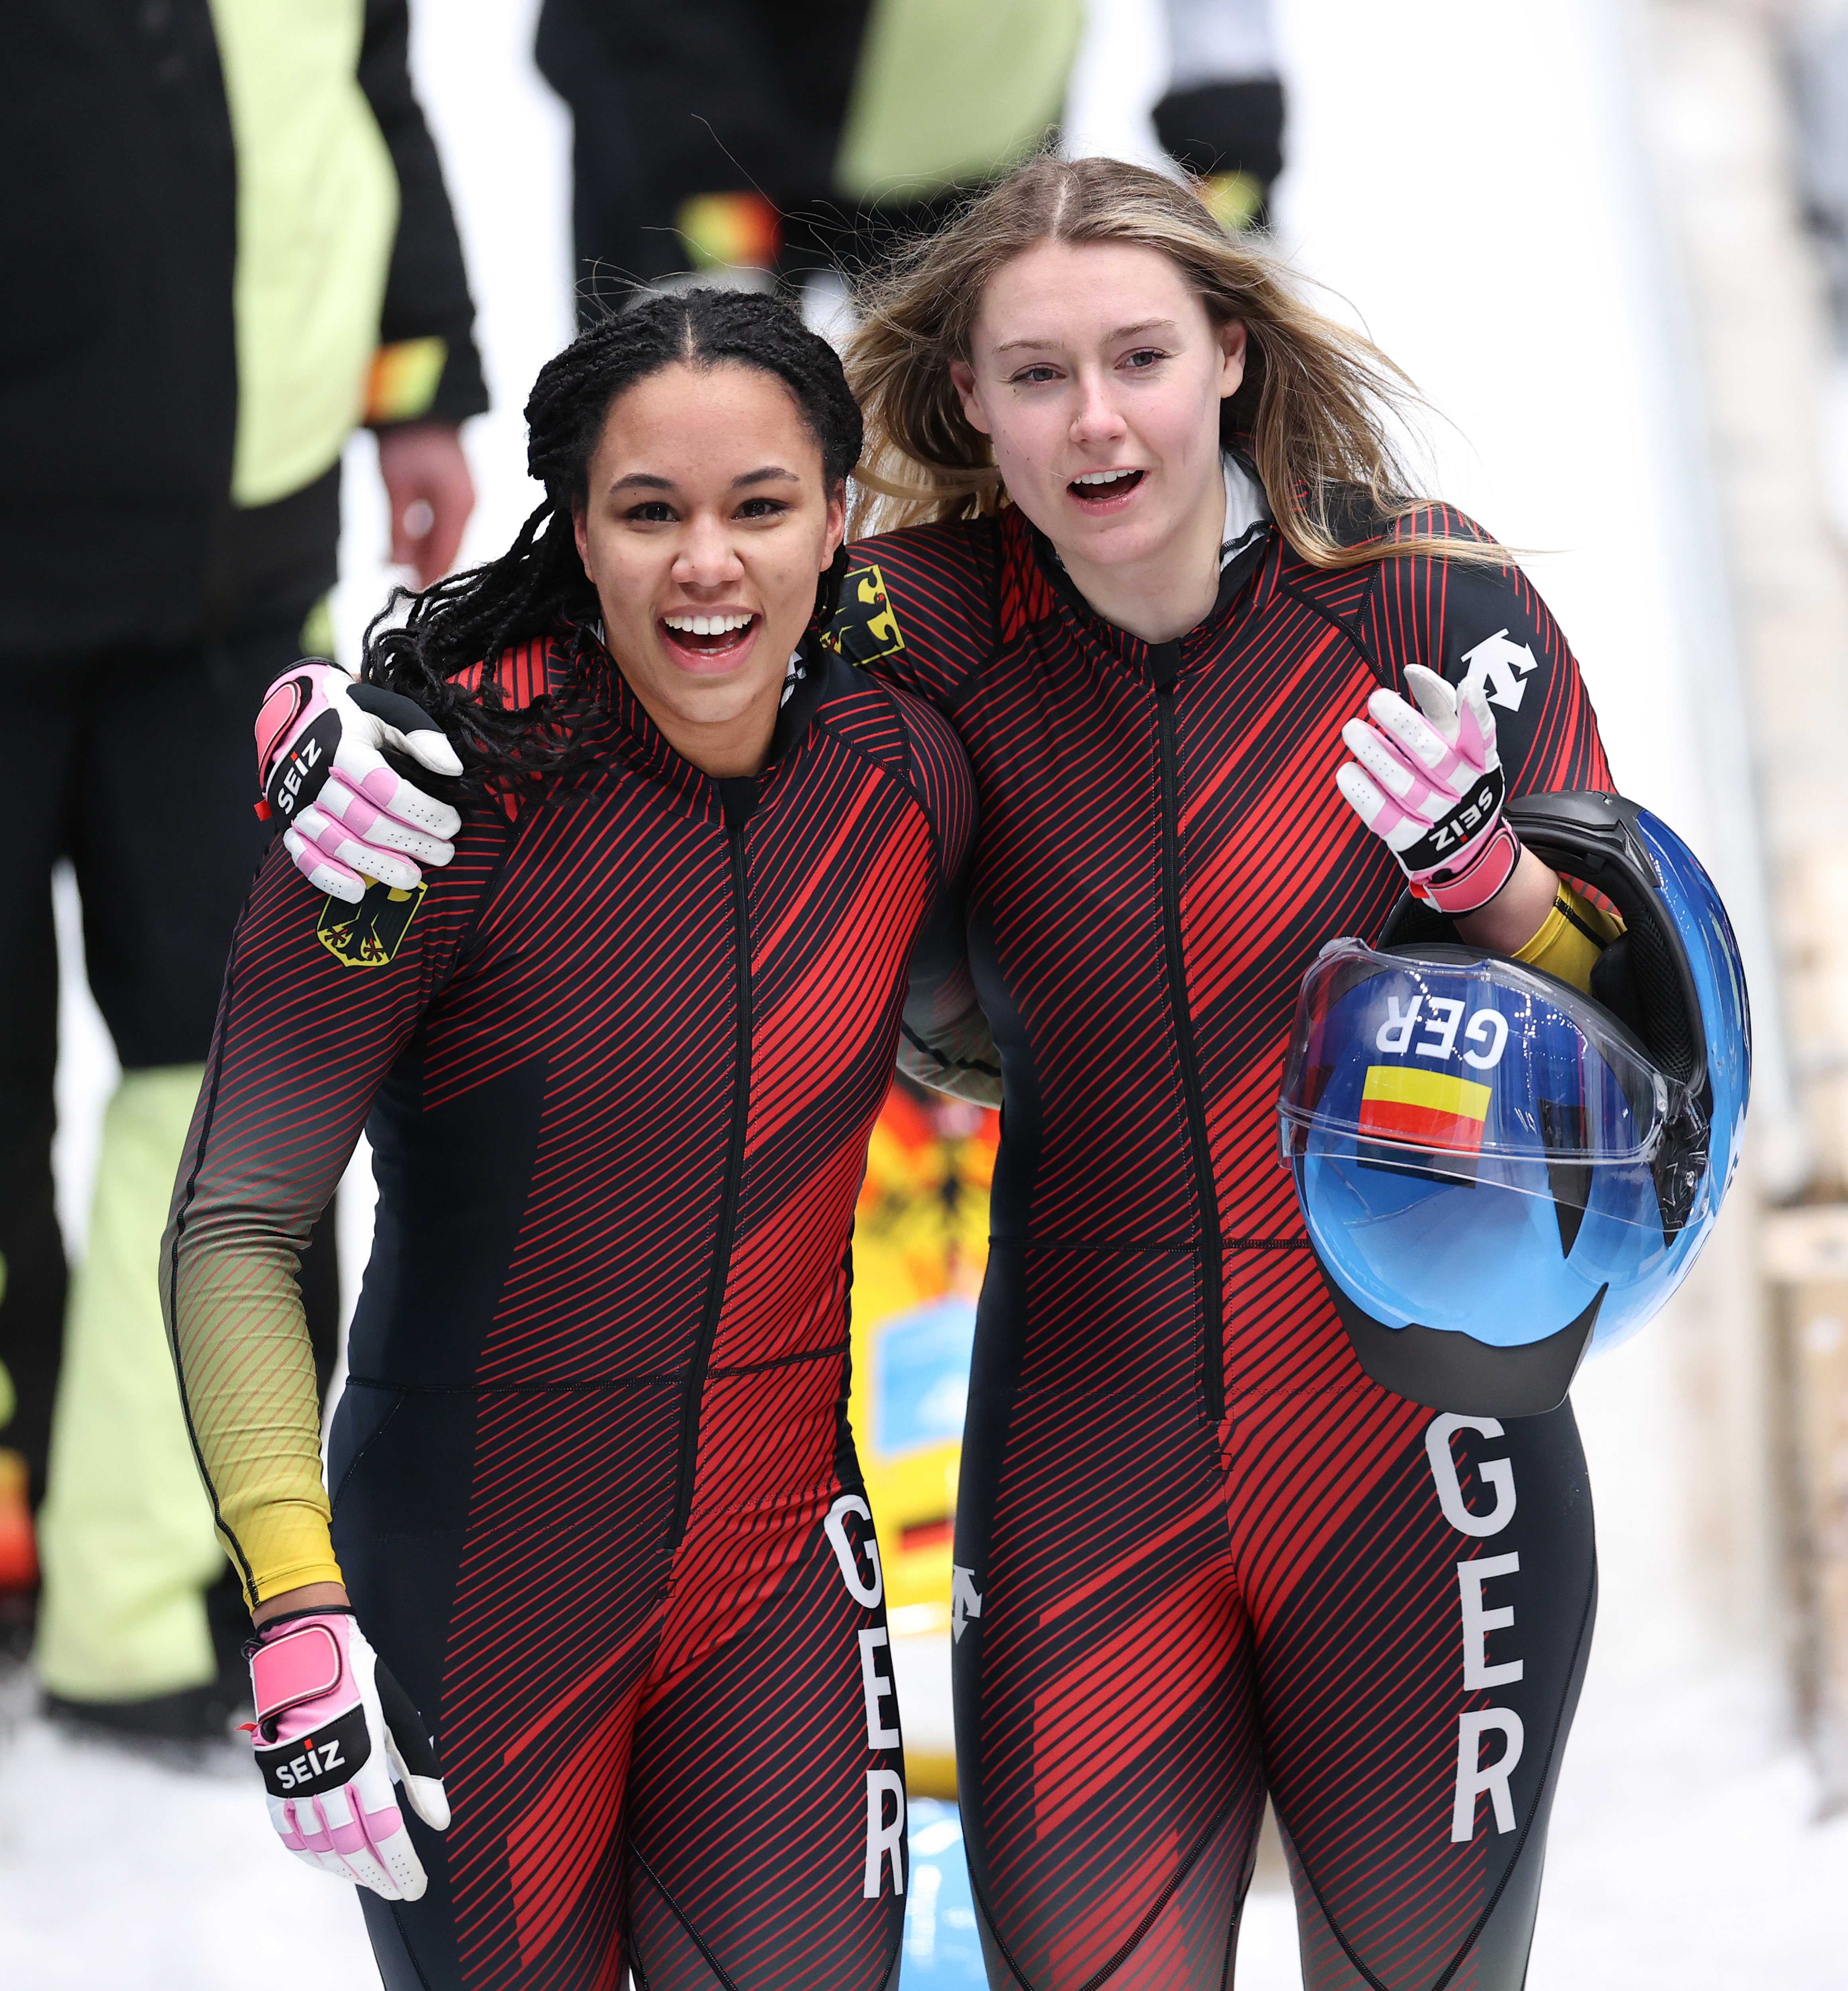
[
  {"x": 1469, "y": 886},
  {"x": 297, "y": 733},
  {"x": 302, "y": 1663},
  {"x": 311, "y": 1732}
]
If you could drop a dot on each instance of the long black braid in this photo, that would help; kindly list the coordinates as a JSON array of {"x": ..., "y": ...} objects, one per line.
[{"x": 538, "y": 588}]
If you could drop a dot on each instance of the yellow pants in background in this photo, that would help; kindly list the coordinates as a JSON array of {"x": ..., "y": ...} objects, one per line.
[{"x": 125, "y": 1533}]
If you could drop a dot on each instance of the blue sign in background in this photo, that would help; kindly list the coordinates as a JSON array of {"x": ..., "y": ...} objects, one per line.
[
  {"x": 942, "y": 1951},
  {"x": 922, "y": 1376}
]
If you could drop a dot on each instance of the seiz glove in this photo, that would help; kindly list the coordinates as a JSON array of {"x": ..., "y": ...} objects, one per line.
[
  {"x": 1429, "y": 783},
  {"x": 333, "y": 1728},
  {"x": 348, "y": 819}
]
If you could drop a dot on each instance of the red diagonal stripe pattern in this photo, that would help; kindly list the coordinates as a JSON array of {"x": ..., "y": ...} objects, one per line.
[
  {"x": 553, "y": 1060},
  {"x": 1136, "y": 1564}
]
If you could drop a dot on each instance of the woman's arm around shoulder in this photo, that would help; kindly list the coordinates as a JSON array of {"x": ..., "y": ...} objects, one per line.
[{"x": 944, "y": 1040}]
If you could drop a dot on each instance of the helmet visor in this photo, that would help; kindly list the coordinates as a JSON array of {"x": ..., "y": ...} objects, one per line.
[{"x": 1448, "y": 1067}]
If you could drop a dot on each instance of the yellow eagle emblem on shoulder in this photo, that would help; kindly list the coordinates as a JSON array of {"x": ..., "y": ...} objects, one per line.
[
  {"x": 368, "y": 934},
  {"x": 864, "y": 627}
]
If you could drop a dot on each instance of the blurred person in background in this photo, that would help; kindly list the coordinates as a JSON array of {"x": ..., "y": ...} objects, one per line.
[
  {"x": 18, "y": 1553},
  {"x": 228, "y": 243},
  {"x": 749, "y": 137}
]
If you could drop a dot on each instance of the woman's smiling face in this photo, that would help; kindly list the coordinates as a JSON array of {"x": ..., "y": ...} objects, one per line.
[
  {"x": 706, "y": 528},
  {"x": 1097, "y": 374}
]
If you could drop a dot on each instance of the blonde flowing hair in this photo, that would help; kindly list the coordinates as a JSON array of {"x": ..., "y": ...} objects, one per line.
[{"x": 1317, "y": 409}]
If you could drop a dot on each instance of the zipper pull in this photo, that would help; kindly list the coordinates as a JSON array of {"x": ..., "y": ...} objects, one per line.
[{"x": 1164, "y": 665}]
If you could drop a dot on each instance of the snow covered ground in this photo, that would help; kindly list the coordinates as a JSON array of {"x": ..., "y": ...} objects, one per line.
[
  {"x": 1681, "y": 1860},
  {"x": 1468, "y": 174}
]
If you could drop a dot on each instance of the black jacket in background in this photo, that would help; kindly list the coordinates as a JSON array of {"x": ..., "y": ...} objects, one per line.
[
  {"x": 668, "y": 99},
  {"x": 672, "y": 98},
  {"x": 118, "y": 388}
]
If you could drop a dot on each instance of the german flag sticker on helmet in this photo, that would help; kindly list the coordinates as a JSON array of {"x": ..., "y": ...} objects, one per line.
[
  {"x": 368, "y": 934},
  {"x": 1429, "y": 1109}
]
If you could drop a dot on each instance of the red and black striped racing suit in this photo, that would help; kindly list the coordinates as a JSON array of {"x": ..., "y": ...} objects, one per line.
[
  {"x": 593, "y": 1493},
  {"x": 1200, "y": 1553}
]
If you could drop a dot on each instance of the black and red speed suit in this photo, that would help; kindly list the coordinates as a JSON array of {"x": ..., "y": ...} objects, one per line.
[
  {"x": 1199, "y": 1553},
  {"x": 593, "y": 1494}
]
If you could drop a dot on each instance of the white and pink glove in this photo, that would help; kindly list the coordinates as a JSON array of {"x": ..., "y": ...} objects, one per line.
[
  {"x": 333, "y": 1728},
  {"x": 1429, "y": 783},
  {"x": 348, "y": 819}
]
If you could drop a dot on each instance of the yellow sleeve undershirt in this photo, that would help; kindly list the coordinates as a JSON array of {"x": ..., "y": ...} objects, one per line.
[{"x": 1570, "y": 938}]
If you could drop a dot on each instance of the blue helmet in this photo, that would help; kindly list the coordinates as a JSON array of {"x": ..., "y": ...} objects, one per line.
[{"x": 1498, "y": 1172}]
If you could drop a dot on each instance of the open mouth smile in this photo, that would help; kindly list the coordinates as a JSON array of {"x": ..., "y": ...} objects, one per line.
[
  {"x": 707, "y": 638},
  {"x": 1104, "y": 490}
]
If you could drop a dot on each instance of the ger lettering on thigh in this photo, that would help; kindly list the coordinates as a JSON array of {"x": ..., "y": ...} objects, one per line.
[
  {"x": 1418, "y": 1685},
  {"x": 1378, "y": 1613}
]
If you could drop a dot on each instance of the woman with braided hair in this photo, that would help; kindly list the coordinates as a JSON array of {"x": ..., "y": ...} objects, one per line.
[{"x": 598, "y": 1586}]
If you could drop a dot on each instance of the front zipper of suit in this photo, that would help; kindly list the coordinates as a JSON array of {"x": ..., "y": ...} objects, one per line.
[
  {"x": 728, "y": 1198},
  {"x": 1206, "y": 1190}
]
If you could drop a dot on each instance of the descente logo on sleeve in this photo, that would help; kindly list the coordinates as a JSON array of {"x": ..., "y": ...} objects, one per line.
[
  {"x": 1501, "y": 667},
  {"x": 368, "y": 934}
]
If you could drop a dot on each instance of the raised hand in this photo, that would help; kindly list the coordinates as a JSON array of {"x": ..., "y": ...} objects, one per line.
[{"x": 1428, "y": 783}]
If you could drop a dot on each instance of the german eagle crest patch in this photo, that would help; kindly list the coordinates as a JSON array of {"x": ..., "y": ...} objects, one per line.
[
  {"x": 864, "y": 627},
  {"x": 368, "y": 934}
]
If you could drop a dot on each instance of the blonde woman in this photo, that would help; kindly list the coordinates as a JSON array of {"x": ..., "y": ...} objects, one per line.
[
  {"x": 1159, "y": 552},
  {"x": 1156, "y": 557}
]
